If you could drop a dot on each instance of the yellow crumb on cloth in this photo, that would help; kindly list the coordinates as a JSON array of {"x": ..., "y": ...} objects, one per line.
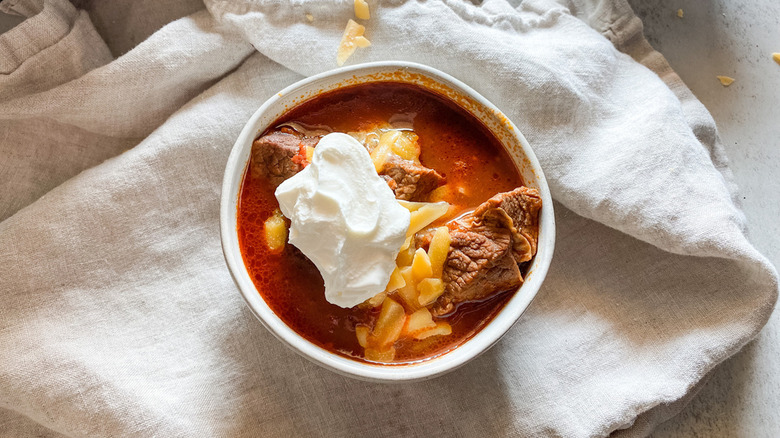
[
  {"x": 725, "y": 80},
  {"x": 310, "y": 17},
  {"x": 361, "y": 10},
  {"x": 776, "y": 57},
  {"x": 680, "y": 13},
  {"x": 350, "y": 41}
]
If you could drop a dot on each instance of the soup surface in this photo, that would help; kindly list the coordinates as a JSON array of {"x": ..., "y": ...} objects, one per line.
[{"x": 452, "y": 142}]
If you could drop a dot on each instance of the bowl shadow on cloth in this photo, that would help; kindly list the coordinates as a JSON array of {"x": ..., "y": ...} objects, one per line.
[
  {"x": 644, "y": 294},
  {"x": 284, "y": 394},
  {"x": 718, "y": 400},
  {"x": 608, "y": 297}
]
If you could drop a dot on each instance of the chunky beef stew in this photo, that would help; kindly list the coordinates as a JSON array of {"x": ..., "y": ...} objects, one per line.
[{"x": 453, "y": 274}]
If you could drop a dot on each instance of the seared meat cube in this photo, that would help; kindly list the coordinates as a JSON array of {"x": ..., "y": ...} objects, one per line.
[
  {"x": 487, "y": 247},
  {"x": 517, "y": 211},
  {"x": 272, "y": 155},
  {"x": 409, "y": 180}
]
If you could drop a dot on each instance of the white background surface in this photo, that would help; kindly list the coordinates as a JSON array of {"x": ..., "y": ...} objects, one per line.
[{"x": 735, "y": 39}]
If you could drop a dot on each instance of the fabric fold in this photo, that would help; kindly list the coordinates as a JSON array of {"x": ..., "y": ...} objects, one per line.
[
  {"x": 98, "y": 111},
  {"x": 47, "y": 41},
  {"x": 589, "y": 158},
  {"x": 121, "y": 319},
  {"x": 157, "y": 76}
]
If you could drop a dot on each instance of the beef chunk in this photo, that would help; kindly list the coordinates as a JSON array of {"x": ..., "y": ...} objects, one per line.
[
  {"x": 480, "y": 263},
  {"x": 487, "y": 247},
  {"x": 410, "y": 181},
  {"x": 272, "y": 155},
  {"x": 517, "y": 211},
  {"x": 272, "y": 158}
]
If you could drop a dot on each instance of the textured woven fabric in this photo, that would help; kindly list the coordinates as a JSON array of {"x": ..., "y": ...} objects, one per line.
[{"x": 119, "y": 317}]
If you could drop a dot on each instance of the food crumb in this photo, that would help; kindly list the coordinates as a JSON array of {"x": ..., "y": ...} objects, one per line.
[
  {"x": 361, "y": 10},
  {"x": 776, "y": 57},
  {"x": 350, "y": 41},
  {"x": 725, "y": 80},
  {"x": 680, "y": 13},
  {"x": 310, "y": 17}
]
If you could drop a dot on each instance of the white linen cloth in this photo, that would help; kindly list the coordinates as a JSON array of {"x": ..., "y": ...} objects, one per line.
[{"x": 119, "y": 317}]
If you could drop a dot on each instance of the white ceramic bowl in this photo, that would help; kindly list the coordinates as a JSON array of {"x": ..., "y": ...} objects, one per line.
[{"x": 438, "y": 82}]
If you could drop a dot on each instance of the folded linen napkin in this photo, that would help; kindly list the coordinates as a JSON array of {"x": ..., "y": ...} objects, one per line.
[{"x": 119, "y": 317}]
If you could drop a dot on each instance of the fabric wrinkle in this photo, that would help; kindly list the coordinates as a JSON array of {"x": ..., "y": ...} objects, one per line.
[{"x": 118, "y": 306}]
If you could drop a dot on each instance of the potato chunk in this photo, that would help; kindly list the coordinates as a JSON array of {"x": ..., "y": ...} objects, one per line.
[
  {"x": 388, "y": 138},
  {"x": 379, "y": 155},
  {"x": 430, "y": 290},
  {"x": 419, "y": 321},
  {"x": 408, "y": 293},
  {"x": 442, "y": 328},
  {"x": 380, "y": 355},
  {"x": 309, "y": 153},
  {"x": 425, "y": 214},
  {"x": 406, "y": 146},
  {"x": 350, "y": 41},
  {"x": 362, "y": 335},
  {"x": 396, "y": 280},
  {"x": 438, "y": 250},
  {"x": 421, "y": 265},
  {"x": 725, "y": 80},
  {"x": 377, "y": 299},
  {"x": 389, "y": 324},
  {"x": 361, "y": 10},
  {"x": 405, "y": 256},
  {"x": 275, "y": 231},
  {"x": 440, "y": 193}
]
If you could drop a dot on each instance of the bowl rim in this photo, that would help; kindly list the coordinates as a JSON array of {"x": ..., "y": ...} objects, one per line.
[{"x": 485, "y": 338}]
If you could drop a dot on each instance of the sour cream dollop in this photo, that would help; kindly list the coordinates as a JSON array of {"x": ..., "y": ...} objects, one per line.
[{"x": 345, "y": 219}]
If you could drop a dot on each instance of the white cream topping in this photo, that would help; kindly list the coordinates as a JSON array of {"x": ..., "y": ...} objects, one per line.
[{"x": 345, "y": 219}]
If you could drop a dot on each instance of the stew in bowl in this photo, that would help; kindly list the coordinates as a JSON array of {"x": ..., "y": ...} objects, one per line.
[{"x": 385, "y": 220}]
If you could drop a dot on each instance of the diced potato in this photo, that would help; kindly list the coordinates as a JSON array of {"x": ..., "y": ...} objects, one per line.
[
  {"x": 408, "y": 293},
  {"x": 361, "y": 10},
  {"x": 362, "y": 335},
  {"x": 389, "y": 324},
  {"x": 421, "y": 265},
  {"x": 380, "y": 356},
  {"x": 425, "y": 215},
  {"x": 442, "y": 328},
  {"x": 421, "y": 345},
  {"x": 725, "y": 80},
  {"x": 396, "y": 280},
  {"x": 438, "y": 250},
  {"x": 406, "y": 256},
  {"x": 439, "y": 193},
  {"x": 309, "y": 153},
  {"x": 389, "y": 137},
  {"x": 377, "y": 299},
  {"x": 411, "y": 206},
  {"x": 407, "y": 244},
  {"x": 275, "y": 231},
  {"x": 406, "y": 146},
  {"x": 430, "y": 289},
  {"x": 350, "y": 41},
  {"x": 419, "y": 321},
  {"x": 379, "y": 155},
  {"x": 370, "y": 140}
]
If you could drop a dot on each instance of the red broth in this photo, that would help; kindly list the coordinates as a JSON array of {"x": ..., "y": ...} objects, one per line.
[{"x": 452, "y": 141}]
